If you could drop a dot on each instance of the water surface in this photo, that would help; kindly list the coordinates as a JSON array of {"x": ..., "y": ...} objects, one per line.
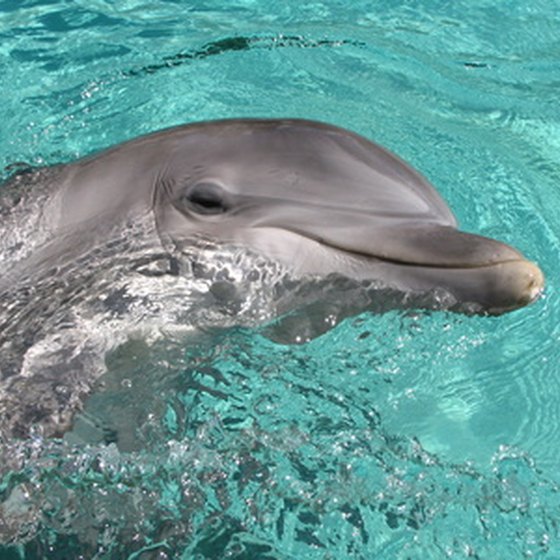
[{"x": 400, "y": 435}]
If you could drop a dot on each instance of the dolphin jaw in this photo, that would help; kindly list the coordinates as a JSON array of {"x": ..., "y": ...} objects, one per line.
[
  {"x": 501, "y": 280},
  {"x": 495, "y": 287}
]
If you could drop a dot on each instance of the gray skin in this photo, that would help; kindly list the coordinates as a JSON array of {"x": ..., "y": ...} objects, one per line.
[{"x": 316, "y": 198}]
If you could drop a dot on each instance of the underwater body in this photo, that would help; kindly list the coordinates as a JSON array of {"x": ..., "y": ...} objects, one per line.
[{"x": 401, "y": 430}]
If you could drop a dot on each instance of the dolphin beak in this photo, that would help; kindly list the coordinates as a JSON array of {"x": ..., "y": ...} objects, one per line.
[{"x": 482, "y": 274}]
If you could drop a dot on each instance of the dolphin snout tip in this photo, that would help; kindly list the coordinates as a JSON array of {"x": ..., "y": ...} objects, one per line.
[
  {"x": 532, "y": 280},
  {"x": 524, "y": 281}
]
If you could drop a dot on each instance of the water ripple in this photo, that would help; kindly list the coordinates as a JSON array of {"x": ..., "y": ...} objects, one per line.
[
  {"x": 396, "y": 435},
  {"x": 291, "y": 461}
]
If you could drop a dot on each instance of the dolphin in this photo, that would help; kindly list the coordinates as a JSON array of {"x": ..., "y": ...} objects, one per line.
[{"x": 315, "y": 198}]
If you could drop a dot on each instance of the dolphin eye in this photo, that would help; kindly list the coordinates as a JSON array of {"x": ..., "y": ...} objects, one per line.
[{"x": 206, "y": 198}]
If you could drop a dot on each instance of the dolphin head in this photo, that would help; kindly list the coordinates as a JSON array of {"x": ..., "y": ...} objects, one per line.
[{"x": 323, "y": 200}]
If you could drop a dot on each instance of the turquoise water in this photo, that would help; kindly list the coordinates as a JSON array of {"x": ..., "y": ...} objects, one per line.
[{"x": 402, "y": 435}]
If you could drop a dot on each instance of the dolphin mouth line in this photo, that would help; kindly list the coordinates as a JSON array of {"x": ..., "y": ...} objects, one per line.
[
  {"x": 403, "y": 262},
  {"x": 411, "y": 264}
]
